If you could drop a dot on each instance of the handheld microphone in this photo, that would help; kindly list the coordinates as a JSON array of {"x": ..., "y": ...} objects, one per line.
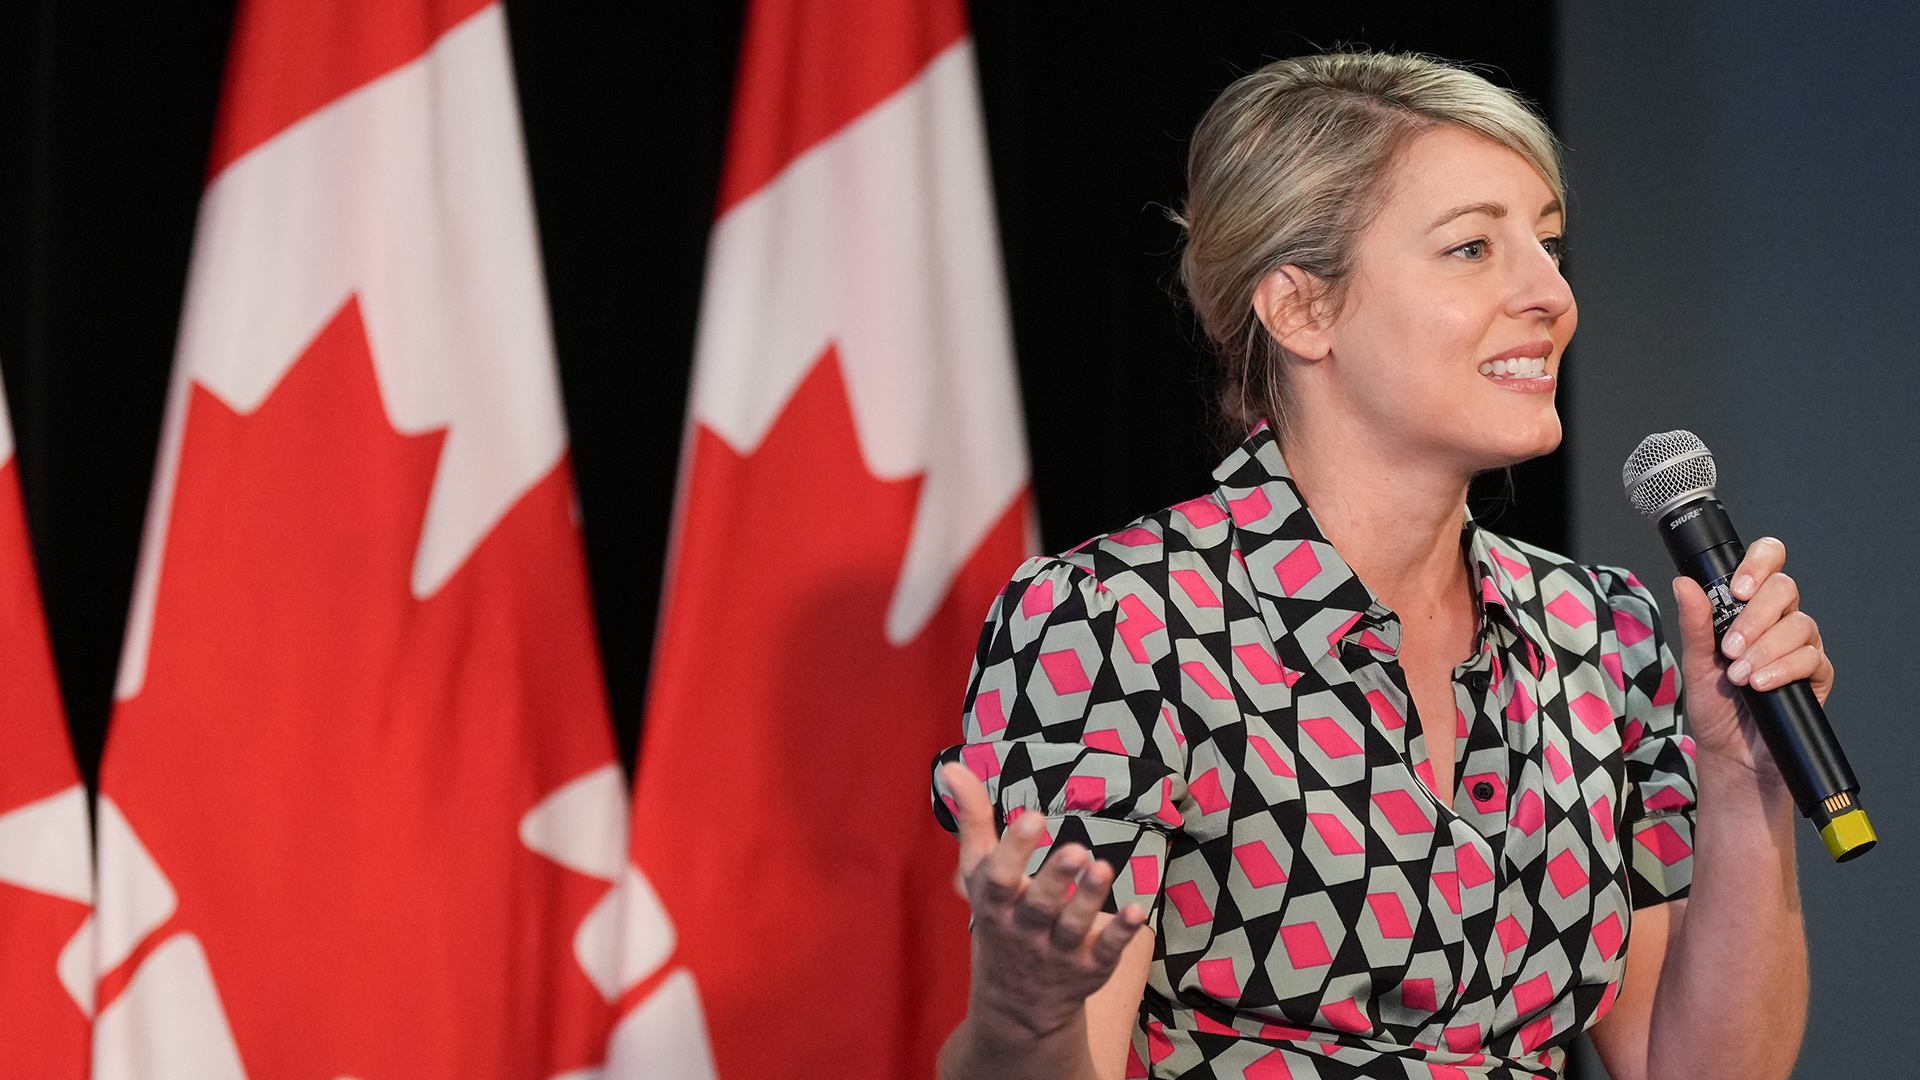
[{"x": 1670, "y": 477}]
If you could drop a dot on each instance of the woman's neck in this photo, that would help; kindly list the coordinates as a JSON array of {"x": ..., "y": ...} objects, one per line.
[{"x": 1394, "y": 519}]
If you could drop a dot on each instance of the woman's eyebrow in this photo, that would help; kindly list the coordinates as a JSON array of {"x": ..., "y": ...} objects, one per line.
[
  {"x": 1552, "y": 208},
  {"x": 1493, "y": 210}
]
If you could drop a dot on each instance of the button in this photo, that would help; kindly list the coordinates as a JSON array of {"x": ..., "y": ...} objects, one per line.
[{"x": 1482, "y": 791}]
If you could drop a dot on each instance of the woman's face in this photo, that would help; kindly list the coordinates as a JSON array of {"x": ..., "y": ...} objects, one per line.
[{"x": 1450, "y": 336}]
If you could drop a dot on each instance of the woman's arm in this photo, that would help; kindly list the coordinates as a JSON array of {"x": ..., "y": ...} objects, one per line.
[
  {"x": 1717, "y": 983},
  {"x": 1050, "y": 972}
]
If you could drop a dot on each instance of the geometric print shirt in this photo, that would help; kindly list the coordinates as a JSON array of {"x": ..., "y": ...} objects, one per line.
[{"x": 1211, "y": 701}]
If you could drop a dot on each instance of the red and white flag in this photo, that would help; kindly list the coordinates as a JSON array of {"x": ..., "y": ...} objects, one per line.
[
  {"x": 46, "y": 859},
  {"x": 853, "y": 493},
  {"x": 360, "y": 813}
]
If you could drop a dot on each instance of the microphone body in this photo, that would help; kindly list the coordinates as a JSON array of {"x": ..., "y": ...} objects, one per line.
[{"x": 1700, "y": 537}]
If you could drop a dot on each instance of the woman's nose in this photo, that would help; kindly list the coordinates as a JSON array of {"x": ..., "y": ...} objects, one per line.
[{"x": 1540, "y": 287}]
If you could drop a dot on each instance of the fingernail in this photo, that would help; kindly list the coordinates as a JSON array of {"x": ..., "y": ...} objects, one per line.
[
  {"x": 1762, "y": 681},
  {"x": 1739, "y": 671},
  {"x": 1743, "y": 586},
  {"x": 1733, "y": 643}
]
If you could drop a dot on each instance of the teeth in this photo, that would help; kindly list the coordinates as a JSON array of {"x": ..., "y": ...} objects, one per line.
[{"x": 1526, "y": 367}]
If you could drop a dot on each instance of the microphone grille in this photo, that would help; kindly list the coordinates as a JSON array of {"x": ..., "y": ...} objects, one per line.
[{"x": 1666, "y": 466}]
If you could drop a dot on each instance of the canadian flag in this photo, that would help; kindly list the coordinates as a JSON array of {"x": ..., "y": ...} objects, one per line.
[
  {"x": 46, "y": 861},
  {"x": 360, "y": 814},
  {"x": 853, "y": 493}
]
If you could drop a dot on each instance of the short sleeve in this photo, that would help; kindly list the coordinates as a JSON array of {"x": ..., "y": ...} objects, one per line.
[
  {"x": 1660, "y": 781},
  {"x": 1064, "y": 716}
]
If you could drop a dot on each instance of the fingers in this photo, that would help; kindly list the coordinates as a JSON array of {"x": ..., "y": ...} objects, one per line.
[
  {"x": 1112, "y": 939},
  {"x": 1788, "y": 650},
  {"x": 1764, "y": 558},
  {"x": 1003, "y": 874},
  {"x": 1047, "y": 894},
  {"x": 1777, "y": 596},
  {"x": 1077, "y": 917},
  {"x": 973, "y": 810}
]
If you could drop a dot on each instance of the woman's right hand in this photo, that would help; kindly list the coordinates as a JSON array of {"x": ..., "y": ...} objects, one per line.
[{"x": 1039, "y": 948}]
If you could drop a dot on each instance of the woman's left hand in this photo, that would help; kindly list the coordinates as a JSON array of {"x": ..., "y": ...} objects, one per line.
[{"x": 1770, "y": 644}]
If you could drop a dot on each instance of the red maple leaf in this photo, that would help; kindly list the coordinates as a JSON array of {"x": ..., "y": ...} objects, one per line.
[
  {"x": 43, "y": 1033},
  {"x": 332, "y": 773},
  {"x": 781, "y": 808}
]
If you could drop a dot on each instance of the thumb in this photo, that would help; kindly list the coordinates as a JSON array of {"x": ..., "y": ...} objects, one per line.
[
  {"x": 1696, "y": 624},
  {"x": 973, "y": 810}
]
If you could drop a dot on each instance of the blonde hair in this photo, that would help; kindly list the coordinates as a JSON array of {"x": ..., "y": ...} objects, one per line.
[{"x": 1289, "y": 165}]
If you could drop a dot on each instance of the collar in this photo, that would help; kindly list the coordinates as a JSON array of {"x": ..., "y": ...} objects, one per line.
[{"x": 1290, "y": 558}]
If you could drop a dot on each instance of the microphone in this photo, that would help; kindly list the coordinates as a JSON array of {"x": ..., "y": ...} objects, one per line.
[{"x": 1670, "y": 477}]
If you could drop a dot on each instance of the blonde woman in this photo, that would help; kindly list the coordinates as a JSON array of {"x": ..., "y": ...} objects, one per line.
[{"x": 1312, "y": 776}]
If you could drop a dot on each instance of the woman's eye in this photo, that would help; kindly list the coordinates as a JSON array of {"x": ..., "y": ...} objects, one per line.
[
  {"x": 1472, "y": 249},
  {"x": 1555, "y": 246}
]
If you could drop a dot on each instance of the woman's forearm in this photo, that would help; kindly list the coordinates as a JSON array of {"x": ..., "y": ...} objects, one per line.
[
  {"x": 987, "y": 1048},
  {"x": 1732, "y": 997}
]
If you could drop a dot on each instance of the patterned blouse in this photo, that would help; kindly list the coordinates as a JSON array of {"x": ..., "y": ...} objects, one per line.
[{"x": 1210, "y": 699}]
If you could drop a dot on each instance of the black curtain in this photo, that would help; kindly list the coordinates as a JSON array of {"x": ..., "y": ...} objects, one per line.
[{"x": 106, "y": 110}]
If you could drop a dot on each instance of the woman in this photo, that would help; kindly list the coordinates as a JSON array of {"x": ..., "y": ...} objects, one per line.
[{"x": 1217, "y": 727}]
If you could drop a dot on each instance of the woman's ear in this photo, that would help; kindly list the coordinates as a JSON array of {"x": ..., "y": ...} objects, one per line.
[{"x": 1288, "y": 303}]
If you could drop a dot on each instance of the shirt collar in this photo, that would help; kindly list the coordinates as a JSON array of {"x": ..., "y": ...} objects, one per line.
[{"x": 1263, "y": 500}]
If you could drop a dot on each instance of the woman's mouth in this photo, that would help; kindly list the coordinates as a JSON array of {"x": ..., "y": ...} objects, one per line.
[{"x": 1520, "y": 367}]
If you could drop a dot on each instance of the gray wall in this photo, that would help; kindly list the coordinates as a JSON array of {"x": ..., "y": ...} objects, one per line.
[{"x": 1746, "y": 253}]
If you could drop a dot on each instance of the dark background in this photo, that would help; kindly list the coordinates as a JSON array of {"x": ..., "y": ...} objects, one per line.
[{"x": 106, "y": 112}]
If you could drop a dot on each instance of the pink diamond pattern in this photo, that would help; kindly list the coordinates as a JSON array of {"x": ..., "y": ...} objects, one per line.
[
  {"x": 1669, "y": 691},
  {"x": 1204, "y": 679},
  {"x": 1207, "y": 792},
  {"x": 1568, "y": 609},
  {"x": 1464, "y": 1039},
  {"x": 1217, "y": 978},
  {"x": 1135, "y": 537},
  {"x": 1557, "y": 764},
  {"x": 1276, "y": 764},
  {"x": 1534, "y": 1035},
  {"x": 1273, "y": 1066},
  {"x": 1345, "y": 1015},
  {"x": 1203, "y": 512},
  {"x": 1511, "y": 935},
  {"x": 1137, "y": 623},
  {"x": 1389, "y": 716},
  {"x": 1334, "y": 833},
  {"x": 1593, "y": 712},
  {"x": 1169, "y": 812},
  {"x": 1105, "y": 739},
  {"x": 1065, "y": 672},
  {"x": 1257, "y": 862},
  {"x": 1305, "y": 947},
  {"x": 982, "y": 760},
  {"x": 1566, "y": 873},
  {"x": 1448, "y": 882},
  {"x": 1530, "y": 814},
  {"x": 1299, "y": 567},
  {"x": 1629, "y": 630},
  {"x": 1195, "y": 586},
  {"x": 1085, "y": 793},
  {"x": 1250, "y": 509},
  {"x": 1332, "y": 739},
  {"x": 1038, "y": 599},
  {"x": 1418, "y": 994},
  {"x": 1665, "y": 842},
  {"x": 1474, "y": 871},
  {"x": 1262, "y": 666},
  {"x": 1391, "y": 914},
  {"x": 1603, "y": 817},
  {"x": 1515, "y": 570},
  {"x": 1611, "y": 662},
  {"x": 1186, "y": 899},
  {"x": 1402, "y": 812},
  {"x": 988, "y": 713},
  {"x": 1608, "y": 936}
]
